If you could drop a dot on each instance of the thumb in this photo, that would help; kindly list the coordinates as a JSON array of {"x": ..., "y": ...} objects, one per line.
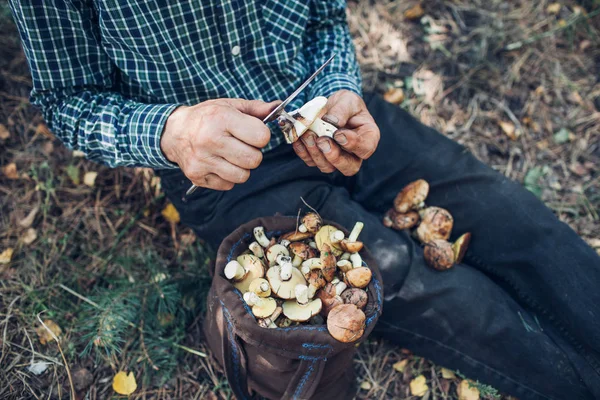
[
  {"x": 339, "y": 109},
  {"x": 255, "y": 108}
]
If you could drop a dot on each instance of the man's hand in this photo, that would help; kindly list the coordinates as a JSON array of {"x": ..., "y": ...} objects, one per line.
[
  {"x": 216, "y": 143},
  {"x": 355, "y": 141}
]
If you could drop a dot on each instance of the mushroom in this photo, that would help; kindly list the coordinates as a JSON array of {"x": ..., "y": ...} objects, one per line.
[
  {"x": 301, "y": 313},
  {"x": 315, "y": 282},
  {"x": 274, "y": 251},
  {"x": 254, "y": 269},
  {"x": 359, "y": 277},
  {"x": 439, "y": 254},
  {"x": 398, "y": 221},
  {"x": 286, "y": 268},
  {"x": 336, "y": 236},
  {"x": 460, "y": 247},
  {"x": 234, "y": 271},
  {"x": 269, "y": 322},
  {"x": 329, "y": 299},
  {"x": 355, "y": 296},
  {"x": 300, "y": 251},
  {"x": 312, "y": 222},
  {"x": 412, "y": 196},
  {"x": 345, "y": 256},
  {"x": 356, "y": 260},
  {"x": 328, "y": 263},
  {"x": 340, "y": 287},
  {"x": 261, "y": 238},
  {"x": 436, "y": 223},
  {"x": 312, "y": 245},
  {"x": 310, "y": 264},
  {"x": 261, "y": 307},
  {"x": 296, "y": 236},
  {"x": 323, "y": 236},
  {"x": 344, "y": 265},
  {"x": 284, "y": 242},
  {"x": 351, "y": 244},
  {"x": 284, "y": 289},
  {"x": 296, "y": 123},
  {"x": 346, "y": 323},
  {"x": 261, "y": 287},
  {"x": 256, "y": 249}
]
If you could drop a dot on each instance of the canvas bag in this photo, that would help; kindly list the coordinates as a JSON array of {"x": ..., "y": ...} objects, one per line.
[{"x": 298, "y": 362}]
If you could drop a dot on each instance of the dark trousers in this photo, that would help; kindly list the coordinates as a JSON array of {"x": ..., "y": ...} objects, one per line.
[{"x": 522, "y": 312}]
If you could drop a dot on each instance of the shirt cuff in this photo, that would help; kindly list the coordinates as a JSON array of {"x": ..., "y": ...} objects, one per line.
[
  {"x": 146, "y": 125},
  {"x": 332, "y": 82}
]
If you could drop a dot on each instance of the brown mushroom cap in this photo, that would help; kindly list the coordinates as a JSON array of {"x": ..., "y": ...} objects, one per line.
[
  {"x": 351, "y": 247},
  {"x": 328, "y": 263},
  {"x": 296, "y": 312},
  {"x": 255, "y": 269},
  {"x": 323, "y": 236},
  {"x": 439, "y": 254},
  {"x": 460, "y": 247},
  {"x": 284, "y": 289},
  {"x": 346, "y": 323},
  {"x": 315, "y": 278},
  {"x": 296, "y": 236},
  {"x": 436, "y": 223},
  {"x": 329, "y": 299},
  {"x": 411, "y": 196},
  {"x": 393, "y": 219},
  {"x": 312, "y": 221},
  {"x": 359, "y": 277},
  {"x": 264, "y": 308},
  {"x": 355, "y": 296},
  {"x": 300, "y": 249}
]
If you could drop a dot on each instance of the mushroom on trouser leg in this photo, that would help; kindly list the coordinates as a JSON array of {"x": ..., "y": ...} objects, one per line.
[
  {"x": 460, "y": 247},
  {"x": 439, "y": 254},
  {"x": 412, "y": 196},
  {"x": 436, "y": 223}
]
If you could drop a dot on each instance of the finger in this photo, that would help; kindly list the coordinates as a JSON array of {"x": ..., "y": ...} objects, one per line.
[
  {"x": 362, "y": 141},
  {"x": 309, "y": 140},
  {"x": 301, "y": 151},
  {"x": 255, "y": 108},
  {"x": 248, "y": 129},
  {"x": 239, "y": 153},
  {"x": 341, "y": 107},
  {"x": 228, "y": 171},
  {"x": 347, "y": 163},
  {"x": 215, "y": 182}
]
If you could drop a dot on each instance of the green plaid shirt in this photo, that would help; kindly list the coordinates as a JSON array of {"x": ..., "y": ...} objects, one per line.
[{"x": 107, "y": 73}]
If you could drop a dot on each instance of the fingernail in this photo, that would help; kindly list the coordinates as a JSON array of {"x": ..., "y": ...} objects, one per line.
[
  {"x": 340, "y": 138},
  {"x": 332, "y": 119},
  {"x": 310, "y": 141},
  {"x": 324, "y": 146}
]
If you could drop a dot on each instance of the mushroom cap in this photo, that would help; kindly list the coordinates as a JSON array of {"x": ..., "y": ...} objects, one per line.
[
  {"x": 255, "y": 269},
  {"x": 436, "y": 223},
  {"x": 411, "y": 196},
  {"x": 351, "y": 247},
  {"x": 296, "y": 236},
  {"x": 355, "y": 296},
  {"x": 359, "y": 277},
  {"x": 328, "y": 263},
  {"x": 330, "y": 300},
  {"x": 274, "y": 251},
  {"x": 312, "y": 221},
  {"x": 264, "y": 308},
  {"x": 346, "y": 323},
  {"x": 284, "y": 289},
  {"x": 299, "y": 249},
  {"x": 257, "y": 285},
  {"x": 439, "y": 254},
  {"x": 296, "y": 312},
  {"x": 460, "y": 247},
  {"x": 400, "y": 221},
  {"x": 323, "y": 236},
  {"x": 315, "y": 278}
]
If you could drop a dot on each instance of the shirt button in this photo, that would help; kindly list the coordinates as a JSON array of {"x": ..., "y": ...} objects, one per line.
[{"x": 235, "y": 50}]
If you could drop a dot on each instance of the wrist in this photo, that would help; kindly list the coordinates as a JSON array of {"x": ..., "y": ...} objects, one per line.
[{"x": 171, "y": 131}]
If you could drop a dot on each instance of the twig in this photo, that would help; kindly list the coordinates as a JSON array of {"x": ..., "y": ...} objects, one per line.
[
  {"x": 144, "y": 350},
  {"x": 74, "y": 293},
  {"x": 306, "y": 204}
]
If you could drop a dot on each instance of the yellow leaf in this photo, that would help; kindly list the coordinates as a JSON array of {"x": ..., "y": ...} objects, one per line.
[
  {"x": 366, "y": 385},
  {"x": 28, "y": 220},
  {"x": 466, "y": 390},
  {"x": 579, "y": 10},
  {"x": 43, "y": 333},
  {"x": 6, "y": 256},
  {"x": 553, "y": 8},
  {"x": 10, "y": 171},
  {"x": 509, "y": 129},
  {"x": 447, "y": 374},
  {"x": 4, "y": 133},
  {"x": 418, "y": 386},
  {"x": 42, "y": 129},
  {"x": 394, "y": 96},
  {"x": 29, "y": 236},
  {"x": 400, "y": 365},
  {"x": 89, "y": 178},
  {"x": 414, "y": 13},
  {"x": 562, "y": 23},
  {"x": 170, "y": 213},
  {"x": 124, "y": 383}
]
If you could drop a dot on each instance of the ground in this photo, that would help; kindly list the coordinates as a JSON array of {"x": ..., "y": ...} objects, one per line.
[{"x": 516, "y": 82}]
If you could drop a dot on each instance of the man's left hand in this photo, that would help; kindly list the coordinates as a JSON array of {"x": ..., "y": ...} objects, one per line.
[{"x": 355, "y": 140}]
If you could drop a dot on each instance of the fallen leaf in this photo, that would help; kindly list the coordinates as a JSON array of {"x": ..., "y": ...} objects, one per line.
[
  {"x": 575, "y": 98},
  {"x": 187, "y": 238},
  {"x": 447, "y": 374},
  {"x": 578, "y": 169},
  {"x": 401, "y": 365},
  {"x": 414, "y": 13},
  {"x": 583, "y": 46},
  {"x": 43, "y": 333},
  {"x": 542, "y": 144},
  {"x": 38, "y": 368},
  {"x": 562, "y": 23},
  {"x": 418, "y": 386},
  {"x": 10, "y": 171},
  {"x": 553, "y": 8},
  {"x": 29, "y": 236},
  {"x": 540, "y": 90},
  {"x": 42, "y": 129},
  {"x": 28, "y": 220},
  {"x": 394, "y": 96},
  {"x": 124, "y": 383},
  {"x": 532, "y": 181},
  {"x": 427, "y": 84},
  {"x": 73, "y": 174},
  {"x": 466, "y": 390},
  {"x": 6, "y": 256},
  {"x": 579, "y": 10},
  {"x": 4, "y": 133},
  {"x": 509, "y": 129},
  {"x": 366, "y": 385},
  {"x": 171, "y": 214},
  {"x": 89, "y": 179},
  {"x": 562, "y": 136}
]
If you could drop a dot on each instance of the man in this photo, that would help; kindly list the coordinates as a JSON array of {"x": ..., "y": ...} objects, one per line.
[{"x": 160, "y": 84}]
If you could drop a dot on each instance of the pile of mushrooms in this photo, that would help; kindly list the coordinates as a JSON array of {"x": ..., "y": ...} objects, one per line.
[
  {"x": 312, "y": 275},
  {"x": 432, "y": 226}
]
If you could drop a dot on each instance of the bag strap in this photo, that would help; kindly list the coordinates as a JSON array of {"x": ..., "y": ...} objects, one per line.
[
  {"x": 304, "y": 383},
  {"x": 234, "y": 360}
]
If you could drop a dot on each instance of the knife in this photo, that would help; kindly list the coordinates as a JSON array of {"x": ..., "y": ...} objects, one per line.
[{"x": 280, "y": 109}]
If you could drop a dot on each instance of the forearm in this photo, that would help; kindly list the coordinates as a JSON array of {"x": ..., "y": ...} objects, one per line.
[{"x": 107, "y": 127}]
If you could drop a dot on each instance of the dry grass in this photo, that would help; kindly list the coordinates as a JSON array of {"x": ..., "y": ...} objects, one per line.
[{"x": 461, "y": 73}]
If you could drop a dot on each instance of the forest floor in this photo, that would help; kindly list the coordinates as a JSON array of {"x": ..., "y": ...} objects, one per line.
[{"x": 92, "y": 250}]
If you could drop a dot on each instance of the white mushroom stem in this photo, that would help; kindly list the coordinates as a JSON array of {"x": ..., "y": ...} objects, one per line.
[
  {"x": 313, "y": 245},
  {"x": 335, "y": 281},
  {"x": 264, "y": 287},
  {"x": 340, "y": 287},
  {"x": 297, "y": 122},
  {"x": 251, "y": 299},
  {"x": 283, "y": 259},
  {"x": 345, "y": 256},
  {"x": 284, "y": 242},
  {"x": 301, "y": 294},
  {"x": 261, "y": 238},
  {"x": 286, "y": 271},
  {"x": 356, "y": 260},
  {"x": 234, "y": 271},
  {"x": 312, "y": 290},
  {"x": 297, "y": 261},
  {"x": 344, "y": 265},
  {"x": 256, "y": 250},
  {"x": 355, "y": 232},
  {"x": 336, "y": 236},
  {"x": 302, "y": 228}
]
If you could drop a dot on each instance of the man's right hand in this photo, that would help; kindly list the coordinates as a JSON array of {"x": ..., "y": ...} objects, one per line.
[{"x": 217, "y": 142}]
